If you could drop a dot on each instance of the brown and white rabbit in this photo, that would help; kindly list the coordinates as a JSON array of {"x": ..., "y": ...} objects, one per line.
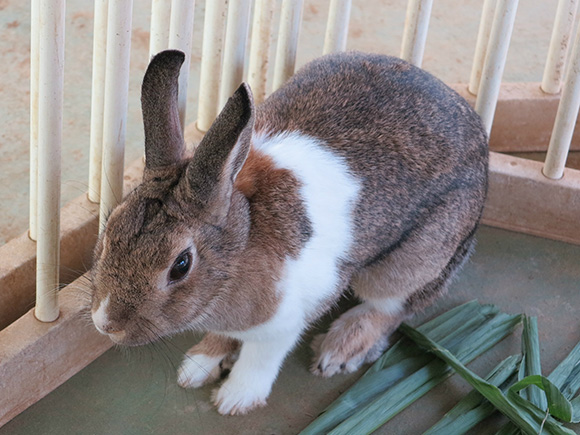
[{"x": 362, "y": 171}]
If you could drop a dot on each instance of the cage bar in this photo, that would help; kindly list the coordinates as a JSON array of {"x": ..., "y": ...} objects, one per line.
[
  {"x": 34, "y": 80},
  {"x": 97, "y": 99},
  {"x": 561, "y": 35},
  {"x": 211, "y": 59},
  {"x": 285, "y": 63},
  {"x": 337, "y": 26},
  {"x": 180, "y": 38},
  {"x": 234, "y": 48},
  {"x": 501, "y": 32},
  {"x": 50, "y": 104},
  {"x": 565, "y": 118},
  {"x": 481, "y": 45},
  {"x": 260, "y": 48},
  {"x": 415, "y": 33},
  {"x": 115, "y": 107},
  {"x": 160, "y": 19}
]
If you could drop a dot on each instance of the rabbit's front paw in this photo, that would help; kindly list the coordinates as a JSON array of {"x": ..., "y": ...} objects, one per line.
[
  {"x": 236, "y": 397},
  {"x": 197, "y": 370}
]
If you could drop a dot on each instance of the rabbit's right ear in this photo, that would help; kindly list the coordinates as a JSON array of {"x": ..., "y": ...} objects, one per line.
[
  {"x": 163, "y": 133},
  {"x": 220, "y": 156}
]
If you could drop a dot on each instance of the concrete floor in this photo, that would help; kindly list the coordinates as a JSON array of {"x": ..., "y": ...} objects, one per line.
[{"x": 135, "y": 392}]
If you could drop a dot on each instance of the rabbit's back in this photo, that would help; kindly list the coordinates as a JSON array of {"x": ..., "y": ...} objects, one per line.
[{"x": 406, "y": 136}]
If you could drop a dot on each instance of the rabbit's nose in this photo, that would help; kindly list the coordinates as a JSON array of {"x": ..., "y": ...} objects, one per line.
[{"x": 102, "y": 322}]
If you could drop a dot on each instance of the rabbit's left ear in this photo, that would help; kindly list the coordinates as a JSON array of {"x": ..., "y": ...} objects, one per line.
[
  {"x": 221, "y": 154},
  {"x": 164, "y": 143}
]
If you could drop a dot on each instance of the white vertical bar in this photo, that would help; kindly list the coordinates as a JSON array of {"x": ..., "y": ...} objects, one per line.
[
  {"x": 287, "y": 41},
  {"x": 501, "y": 32},
  {"x": 211, "y": 60},
  {"x": 337, "y": 26},
  {"x": 34, "y": 79},
  {"x": 565, "y": 118},
  {"x": 561, "y": 35},
  {"x": 481, "y": 45},
  {"x": 115, "y": 111},
  {"x": 160, "y": 18},
  {"x": 415, "y": 33},
  {"x": 180, "y": 37},
  {"x": 97, "y": 99},
  {"x": 50, "y": 99},
  {"x": 234, "y": 48},
  {"x": 260, "y": 48}
]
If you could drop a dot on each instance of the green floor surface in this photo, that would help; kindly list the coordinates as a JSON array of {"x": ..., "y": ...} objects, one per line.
[{"x": 134, "y": 391}]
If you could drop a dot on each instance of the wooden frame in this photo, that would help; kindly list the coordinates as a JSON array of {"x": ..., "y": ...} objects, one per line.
[{"x": 520, "y": 198}]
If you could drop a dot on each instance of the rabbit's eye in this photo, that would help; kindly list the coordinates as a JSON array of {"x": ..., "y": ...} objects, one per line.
[{"x": 180, "y": 266}]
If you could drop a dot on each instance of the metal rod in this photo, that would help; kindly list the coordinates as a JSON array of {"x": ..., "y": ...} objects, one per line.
[
  {"x": 565, "y": 118},
  {"x": 50, "y": 103},
  {"x": 180, "y": 38},
  {"x": 337, "y": 26},
  {"x": 238, "y": 23},
  {"x": 115, "y": 111},
  {"x": 97, "y": 99},
  {"x": 34, "y": 80},
  {"x": 160, "y": 19},
  {"x": 290, "y": 19},
  {"x": 501, "y": 32},
  {"x": 415, "y": 33},
  {"x": 481, "y": 45},
  {"x": 260, "y": 48},
  {"x": 561, "y": 35}
]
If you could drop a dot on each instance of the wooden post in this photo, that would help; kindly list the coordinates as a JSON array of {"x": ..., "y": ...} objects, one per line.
[
  {"x": 260, "y": 48},
  {"x": 290, "y": 19},
  {"x": 180, "y": 36},
  {"x": 50, "y": 103},
  {"x": 238, "y": 23},
  {"x": 160, "y": 19},
  {"x": 501, "y": 32},
  {"x": 211, "y": 59},
  {"x": 415, "y": 33},
  {"x": 115, "y": 109},
  {"x": 565, "y": 118},
  {"x": 97, "y": 99},
  {"x": 337, "y": 26},
  {"x": 561, "y": 35},
  {"x": 34, "y": 80},
  {"x": 481, "y": 45}
]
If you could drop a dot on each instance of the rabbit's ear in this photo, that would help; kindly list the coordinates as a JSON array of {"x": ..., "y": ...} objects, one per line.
[
  {"x": 163, "y": 134},
  {"x": 221, "y": 154}
]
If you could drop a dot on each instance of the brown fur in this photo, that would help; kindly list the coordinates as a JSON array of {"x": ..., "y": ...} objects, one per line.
[{"x": 214, "y": 345}]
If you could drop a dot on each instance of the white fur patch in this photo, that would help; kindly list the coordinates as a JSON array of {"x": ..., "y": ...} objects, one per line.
[
  {"x": 329, "y": 192},
  {"x": 100, "y": 318},
  {"x": 196, "y": 370}
]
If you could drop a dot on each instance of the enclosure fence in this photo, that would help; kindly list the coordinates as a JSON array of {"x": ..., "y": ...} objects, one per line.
[{"x": 227, "y": 27}]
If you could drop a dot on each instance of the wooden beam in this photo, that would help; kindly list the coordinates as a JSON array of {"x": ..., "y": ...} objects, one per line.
[
  {"x": 524, "y": 118},
  {"x": 522, "y": 199},
  {"x": 37, "y": 357}
]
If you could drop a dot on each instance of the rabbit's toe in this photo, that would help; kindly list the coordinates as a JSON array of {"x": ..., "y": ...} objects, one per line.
[{"x": 237, "y": 397}]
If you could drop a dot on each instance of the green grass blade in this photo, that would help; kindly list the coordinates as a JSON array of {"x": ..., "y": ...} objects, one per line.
[
  {"x": 473, "y": 408},
  {"x": 517, "y": 409},
  {"x": 531, "y": 362},
  {"x": 559, "y": 406},
  {"x": 403, "y": 359},
  {"x": 401, "y": 395},
  {"x": 561, "y": 373}
]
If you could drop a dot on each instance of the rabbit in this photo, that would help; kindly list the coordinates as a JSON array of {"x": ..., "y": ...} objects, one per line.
[{"x": 362, "y": 172}]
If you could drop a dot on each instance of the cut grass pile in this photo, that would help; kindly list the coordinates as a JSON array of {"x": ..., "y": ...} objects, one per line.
[{"x": 428, "y": 355}]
